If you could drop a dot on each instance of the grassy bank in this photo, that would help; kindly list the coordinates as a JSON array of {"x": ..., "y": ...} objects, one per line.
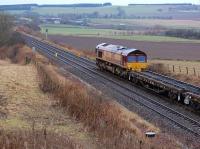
[{"x": 28, "y": 117}]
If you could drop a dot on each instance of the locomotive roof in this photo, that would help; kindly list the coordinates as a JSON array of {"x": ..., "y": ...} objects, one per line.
[{"x": 117, "y": 49}]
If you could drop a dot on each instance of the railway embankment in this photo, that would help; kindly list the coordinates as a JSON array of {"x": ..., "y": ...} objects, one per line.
[
  {"x": 114, "y": 125},
  {"x": 42, "y": 106}
]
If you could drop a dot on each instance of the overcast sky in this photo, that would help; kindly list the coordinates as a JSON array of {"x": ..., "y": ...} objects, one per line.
[{"x": 115, "y": 2}]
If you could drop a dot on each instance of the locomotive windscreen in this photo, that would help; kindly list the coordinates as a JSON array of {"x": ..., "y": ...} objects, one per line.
[
  {"x": 132, "y": 59},
  {"x": 141, "y": 59}
]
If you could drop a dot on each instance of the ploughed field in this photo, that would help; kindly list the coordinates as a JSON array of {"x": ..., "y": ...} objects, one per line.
[{"x": 162, "y": 50}]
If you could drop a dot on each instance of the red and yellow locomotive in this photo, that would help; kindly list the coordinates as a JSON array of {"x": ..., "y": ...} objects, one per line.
[{"x": 119, "y": 59}]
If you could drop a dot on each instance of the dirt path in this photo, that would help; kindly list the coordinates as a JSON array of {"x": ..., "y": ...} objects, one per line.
[
  {"x": 22, "y": 105},
  {"x": 162, "y": 50}
]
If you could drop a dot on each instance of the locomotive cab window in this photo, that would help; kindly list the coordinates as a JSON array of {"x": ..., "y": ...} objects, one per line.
[
  {"x": 137, "y": 56},
  {"x": 141, "y": 58},
  {"x": 132, "y": 59}
]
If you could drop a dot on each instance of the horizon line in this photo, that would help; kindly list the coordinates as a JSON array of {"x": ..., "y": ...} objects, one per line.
[{"x": 96, "y": 3}]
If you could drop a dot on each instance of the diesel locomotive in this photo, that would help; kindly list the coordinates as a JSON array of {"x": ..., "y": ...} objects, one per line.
[{"x": 120, "y": 60}]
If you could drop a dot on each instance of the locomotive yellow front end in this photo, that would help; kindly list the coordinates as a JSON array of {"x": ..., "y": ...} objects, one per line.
[
  {"x": 137, "y": 61},
  {"x": 139, "y": 66}
]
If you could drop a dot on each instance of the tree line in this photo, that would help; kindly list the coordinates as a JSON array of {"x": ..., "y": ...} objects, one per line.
[{"x": 184, "y": 33}]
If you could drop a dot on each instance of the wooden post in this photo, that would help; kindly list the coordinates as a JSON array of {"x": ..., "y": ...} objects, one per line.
[
  {"x": 180, "y": 69},
  {"x": 194, "y": 71},
  {"x": 173, "y": 69},
  {"x": 168, "y": 67},
  {"x": 187, "y": 70}
]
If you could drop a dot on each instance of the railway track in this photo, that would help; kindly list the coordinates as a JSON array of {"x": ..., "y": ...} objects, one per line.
[{"x": 89, "y": 68}]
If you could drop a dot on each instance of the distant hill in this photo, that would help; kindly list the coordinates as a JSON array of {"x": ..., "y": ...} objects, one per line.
[
  {"x": 18, "y": 7},
  {"x": 29, "y": 6},
  {"x": 173, "y": 4}
]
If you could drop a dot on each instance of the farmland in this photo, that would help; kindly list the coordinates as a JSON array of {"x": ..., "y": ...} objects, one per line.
[
  {"x": 149, "y": 23},
  {"x": 162, "y": 50},
  {"x": 163, "y": 11},
  {"x": 108, "y": 33}
]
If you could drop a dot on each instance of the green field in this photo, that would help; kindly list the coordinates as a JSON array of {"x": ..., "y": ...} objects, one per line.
[
  {"x": 74, "y": 30},
  {"x": 143, "y": 16},
  {"x": 175, "y": 24},
  {"x": 137, "y": 10},
  {"x": 108, "y": 33}
]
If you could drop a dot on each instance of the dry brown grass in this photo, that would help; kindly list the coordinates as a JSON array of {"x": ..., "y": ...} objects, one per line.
[
  {"x": 31, "y": 119},
  {"x": 25, "y": 105},
  {"x": 35, "y": 140},
  {"x": 17, "y": 54},
  {"x": 115, "y": 127}
]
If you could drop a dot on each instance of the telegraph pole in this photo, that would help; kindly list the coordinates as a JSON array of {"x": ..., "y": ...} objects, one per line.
[{"x": 46, "y": 33}]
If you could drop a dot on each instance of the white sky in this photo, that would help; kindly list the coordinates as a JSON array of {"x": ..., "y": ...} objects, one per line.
[{"x": 115, "y": 2}]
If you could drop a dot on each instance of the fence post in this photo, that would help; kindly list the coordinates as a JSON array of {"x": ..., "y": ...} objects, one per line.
[
  {"x": 173, "y": 69},
  {"x": 180, "y": 69},
  {"x": 187, "y": 70},
  {"x": 168, "y": 67},
  {"x": 194, "y": 71}
]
